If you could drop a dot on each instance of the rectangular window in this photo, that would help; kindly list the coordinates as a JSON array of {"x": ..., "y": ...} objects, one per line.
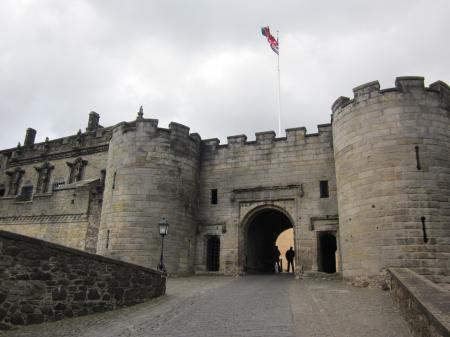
[
  {"x": 2, "y": 192},
  {"x": 324, "y": 192},
  {"x": 26, "y": 193},
  {"x": 214, "y": 196}
]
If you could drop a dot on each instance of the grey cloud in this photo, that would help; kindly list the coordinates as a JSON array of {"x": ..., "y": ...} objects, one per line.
[{"x": 204, "y": 63}]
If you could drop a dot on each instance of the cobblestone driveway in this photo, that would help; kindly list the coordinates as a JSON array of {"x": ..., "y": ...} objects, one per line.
[{"x": 272, "y": 305}]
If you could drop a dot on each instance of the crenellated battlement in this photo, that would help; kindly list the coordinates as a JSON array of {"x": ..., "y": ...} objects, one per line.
[
  {"x": 150, "y": 127},
  {"x": 406, "y": 84},
  {"x": 293, "y": 135},
  {"x": 409, "y": 85},
  {"x": 237, "y": 140},
  {"x": 443, "y": 89},
  {"x": 364, "y": 91},
  {"x": 296, "y": 134},
  {"x": 177, "y": 129},
  {"x": 265, "y": 137}
]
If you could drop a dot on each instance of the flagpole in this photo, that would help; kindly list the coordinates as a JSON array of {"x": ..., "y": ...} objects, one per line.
[{"x": 279, "y": 87}]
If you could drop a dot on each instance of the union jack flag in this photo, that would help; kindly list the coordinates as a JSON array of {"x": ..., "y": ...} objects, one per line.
[{"x": 272, "y": 41}]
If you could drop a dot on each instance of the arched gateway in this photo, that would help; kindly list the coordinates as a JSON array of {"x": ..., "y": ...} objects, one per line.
[{"x": 261, "y": 228}]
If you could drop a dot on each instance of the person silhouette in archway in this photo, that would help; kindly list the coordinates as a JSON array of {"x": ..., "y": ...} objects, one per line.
[
  {"x": 276, "y": 258},
  {"x": 290, "y": 255}
]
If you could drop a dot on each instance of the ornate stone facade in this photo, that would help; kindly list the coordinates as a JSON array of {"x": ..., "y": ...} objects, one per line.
[{"x": 369, "y": 191}]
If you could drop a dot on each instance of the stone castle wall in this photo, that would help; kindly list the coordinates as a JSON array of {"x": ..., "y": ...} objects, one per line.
[
  {"x": 385, "y": 157},
  {"x": 266, "y": 171},
  {"x": 151, "y": 173},
  {"x": 42, "y": 282},
  {"x": 65, "y": 213},
  {"x": 392, "y": 153}
]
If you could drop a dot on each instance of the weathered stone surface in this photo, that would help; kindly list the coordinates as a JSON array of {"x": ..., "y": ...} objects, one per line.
[
  {"x": 47, "y": 311},
  {"x": 40, "y": 275},
  {"x": 2, "y": 297},
  {"x": 6, "y": 261},
  {"x": 17, "y": 319},
  {"x": 117, "y": 293},
  {"x": 79, "y": 296},
  {"x": 36, "y": 318},
  {"x": 60, "y": 306},
  {"x": 52, "y": 295},
  {"x": 93, "y": 294},
  {"x": 2, "y": 314},
  {"x": 425, "y": 306},
  {"x": 392, "y": 158},
  {"x": 26, "y": 308},
  {"x": 59, "y": 294}
]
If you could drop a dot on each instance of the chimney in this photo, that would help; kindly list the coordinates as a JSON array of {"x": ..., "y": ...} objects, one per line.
[
  {"x": 93, "y": 121},
  {"x": 29, "y": 137}
]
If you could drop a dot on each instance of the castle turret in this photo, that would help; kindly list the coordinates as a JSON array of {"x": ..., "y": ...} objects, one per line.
[
  {"x": 30, "y": 137},
  {"x": 151, "y": 173},
  {"x": 392, "y": 156}
]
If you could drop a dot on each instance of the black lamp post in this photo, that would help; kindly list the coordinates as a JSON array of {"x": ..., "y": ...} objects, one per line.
[{"x": 163, "y": 228}]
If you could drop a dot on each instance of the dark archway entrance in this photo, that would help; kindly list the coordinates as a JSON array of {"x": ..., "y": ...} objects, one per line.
[
  {"x": 213, "y": 254},
  {"x": 262, "y": 232},
  {"x": 327, "y": 253}
]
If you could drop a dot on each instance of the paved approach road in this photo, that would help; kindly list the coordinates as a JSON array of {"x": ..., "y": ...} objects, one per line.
[{"x": 265, "y": 305}]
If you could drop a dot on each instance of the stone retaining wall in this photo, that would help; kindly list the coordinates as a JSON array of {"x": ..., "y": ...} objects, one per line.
[
  {"x": 42, "y": 281},
  {"x": 425, "y": 306}
]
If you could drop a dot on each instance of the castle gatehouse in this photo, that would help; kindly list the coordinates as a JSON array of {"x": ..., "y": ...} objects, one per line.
[{"x": 369, "y": 191}]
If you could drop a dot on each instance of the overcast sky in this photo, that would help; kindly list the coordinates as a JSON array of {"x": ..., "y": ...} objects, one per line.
[{"x": 205, "y": 63}]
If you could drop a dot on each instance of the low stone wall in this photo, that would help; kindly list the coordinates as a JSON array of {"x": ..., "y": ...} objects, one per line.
[
  {"x": 425, "y": 306},
  {"x": 42, "y": 281}
]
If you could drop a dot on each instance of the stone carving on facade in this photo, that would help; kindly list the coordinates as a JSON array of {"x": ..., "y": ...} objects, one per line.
[
  {"x": 93, "y": 121},
  {"x": 18, "y": 151},
  {"x": 76, "y": 170},
  {"x": 141, "y": 113},
  {"x": 79, "y": 139},
  {"x": 47, "y": 144},
  {"x": 44, "y": 173},
  {"x": 15, "y": 179}
]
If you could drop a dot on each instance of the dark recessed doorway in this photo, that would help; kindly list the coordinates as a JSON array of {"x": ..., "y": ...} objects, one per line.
[
  {"x": 213, "y": 254},
  {"x": 262, "y": 232},
  {"x": 327, "y": 252}
]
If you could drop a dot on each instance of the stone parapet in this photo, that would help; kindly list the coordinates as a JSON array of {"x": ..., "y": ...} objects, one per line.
[
  {"x": 42, "y": 281},
  {"x": 266, "y": 138},
  {"x": 412, "y": 85},
  {"x": 237, "y": 140},
  {"x": 425, "y": 306}
]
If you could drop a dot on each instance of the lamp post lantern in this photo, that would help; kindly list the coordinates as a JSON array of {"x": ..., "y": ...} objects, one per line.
[{"x": 163, "y": 229}]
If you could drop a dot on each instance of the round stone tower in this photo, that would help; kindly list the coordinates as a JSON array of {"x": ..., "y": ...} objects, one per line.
[
  {"x": 151, "y": 173},
  {"x": 392, "y": 156}
]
